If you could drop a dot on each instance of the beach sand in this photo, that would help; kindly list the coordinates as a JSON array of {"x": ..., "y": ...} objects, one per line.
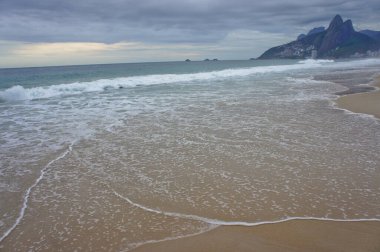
[
  {"x": 293, "y": 235},
  {"x": 367, "y": 103}
]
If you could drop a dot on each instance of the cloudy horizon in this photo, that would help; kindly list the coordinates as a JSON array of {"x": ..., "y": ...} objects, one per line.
[{"x": 51, "y": 32}]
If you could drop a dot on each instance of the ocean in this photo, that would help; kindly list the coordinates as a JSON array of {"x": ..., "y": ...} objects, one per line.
[{"x": 110, "y": 157}]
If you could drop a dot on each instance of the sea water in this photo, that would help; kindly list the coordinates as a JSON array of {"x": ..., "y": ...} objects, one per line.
[{"x": 110, "y": 157}]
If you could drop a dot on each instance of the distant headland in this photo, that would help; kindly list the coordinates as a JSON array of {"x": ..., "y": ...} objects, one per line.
[{"x": 339, "y": 40}]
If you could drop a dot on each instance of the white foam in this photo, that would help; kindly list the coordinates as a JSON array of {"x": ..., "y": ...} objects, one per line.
[
  {"x": 20, "y": 93},
  {"x": 29, "y": 190},
  {"x": 230, "y": 223},
  {"x": 215, "y": 223},
  {"x": 315, "y": 61}
]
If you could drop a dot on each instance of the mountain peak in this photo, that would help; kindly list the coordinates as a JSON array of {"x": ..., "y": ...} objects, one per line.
[
  {"x": 336, "y": 22},
  {"x": 339, "y": 40},
  {"x": 347, "y": 25},
  {"x": 337, "y": 34}
]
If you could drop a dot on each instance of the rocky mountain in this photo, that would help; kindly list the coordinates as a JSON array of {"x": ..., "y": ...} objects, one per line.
[
  {"x": 316, "y": 30},
  {"x": 301, "y": 36},
  {"x": 339, "y": 40},
  {"x": 373, "y": 34},
  {"x": 312, "y": 31}
]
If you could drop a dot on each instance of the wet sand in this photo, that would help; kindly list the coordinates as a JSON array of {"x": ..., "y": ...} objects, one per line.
[
  {"x": 300, "y": 235},
  {"x": 367, "y": 103},
  {"x": 294, "y": 235}
]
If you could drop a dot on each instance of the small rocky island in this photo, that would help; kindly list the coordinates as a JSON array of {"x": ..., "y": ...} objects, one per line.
[{"x": 339, "y": 40}]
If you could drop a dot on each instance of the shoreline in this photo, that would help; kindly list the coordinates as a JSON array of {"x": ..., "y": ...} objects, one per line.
[
  {"x": 291, "y": 235},
  {"x": 295, "y": 160},
  {"x": 363, "y": 102}
]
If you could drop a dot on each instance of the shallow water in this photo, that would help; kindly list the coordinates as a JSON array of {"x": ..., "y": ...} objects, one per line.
[{"x": 177, "y": 150}]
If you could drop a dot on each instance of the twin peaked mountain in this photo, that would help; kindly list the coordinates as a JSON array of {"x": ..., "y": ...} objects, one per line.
[{"x": 339, "y": 40}]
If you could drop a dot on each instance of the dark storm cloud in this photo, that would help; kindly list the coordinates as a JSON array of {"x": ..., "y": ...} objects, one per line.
[{"x": 167, "y": 20}]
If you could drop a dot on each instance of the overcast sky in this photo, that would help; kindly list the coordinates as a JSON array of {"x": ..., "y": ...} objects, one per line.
[{"x": 61, "y": 32}]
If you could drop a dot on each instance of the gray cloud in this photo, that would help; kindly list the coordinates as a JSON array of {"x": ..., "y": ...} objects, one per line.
[{"x": 169, "y": 21}]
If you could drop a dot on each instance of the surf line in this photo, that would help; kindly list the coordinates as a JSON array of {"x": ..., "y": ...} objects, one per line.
[
  {"x": 233, "y": 223},
  {"x": 29, "y": 190}
]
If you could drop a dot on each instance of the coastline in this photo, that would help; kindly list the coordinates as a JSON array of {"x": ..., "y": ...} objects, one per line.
[
  {"x": 366, "y": 103},
  {"x": 292, "y": 235},
  {"x": 124, "y": 214}
]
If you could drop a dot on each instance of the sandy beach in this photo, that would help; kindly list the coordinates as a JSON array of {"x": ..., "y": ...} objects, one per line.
[
  {"x": 191, "y": 166},
  {"x": 367, "y": 103},
  {"x": 294, "y": 235}
]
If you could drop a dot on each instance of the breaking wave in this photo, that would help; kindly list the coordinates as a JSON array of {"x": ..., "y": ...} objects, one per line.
[{"x": 18, "y": 93}]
